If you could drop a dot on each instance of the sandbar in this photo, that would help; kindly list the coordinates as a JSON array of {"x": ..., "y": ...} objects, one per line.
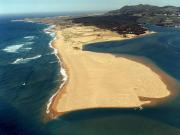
[{"x": 102, "y": 80}]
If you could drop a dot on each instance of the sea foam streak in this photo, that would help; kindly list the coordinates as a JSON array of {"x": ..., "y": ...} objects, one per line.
[
  {"x": 47, "y": 30},
  {"x": 13, "y": 48},
  {"x": 52, "y": 62},
  {"x": 29, "y": 43},
  {"x": 16, "y": 47},
  {"x": 62, "y": 70},
  {"x": 27, "y": 48},
  {"x": 25, "y": 60},
  {"x": 29, "y": 37}
]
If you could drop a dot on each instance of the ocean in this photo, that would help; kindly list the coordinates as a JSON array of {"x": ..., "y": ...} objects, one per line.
[{"x": 30, "y": 75}]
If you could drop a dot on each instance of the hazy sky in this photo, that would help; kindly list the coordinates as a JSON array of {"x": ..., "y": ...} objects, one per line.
[{"x": 29, "y": 6}]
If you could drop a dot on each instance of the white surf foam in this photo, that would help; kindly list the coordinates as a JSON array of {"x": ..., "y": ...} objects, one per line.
[
  {"x": 54, "y": 62},
  {"x": 16, "y": 47},
  {"x": 27, "y": 48},
  {"x": 29, "y": 43},
  {"x": 29, "y": 37},
  {"x": 47, "y": 30},
  {"x": 62, "y": 70},
  {"x": 13, "y": 48},
  {"x": 25, "y": 60},
  {"x": 50, "y": 27},
  {"x": 52, "y": 34},
  {"x": 52, "y": 53}
]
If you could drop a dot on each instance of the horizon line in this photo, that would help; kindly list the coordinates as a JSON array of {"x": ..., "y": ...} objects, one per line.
[{"x": 76, "y": 11}]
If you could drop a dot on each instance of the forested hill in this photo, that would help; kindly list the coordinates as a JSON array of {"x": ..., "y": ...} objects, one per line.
[
  {"x": 145, "y": 10},
  {"x": 165, "y": 16}
]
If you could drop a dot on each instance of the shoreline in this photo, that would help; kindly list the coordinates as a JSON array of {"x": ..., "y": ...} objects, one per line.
[
  {"x": 171, "y": 83},
  {"x": 55, "y": 98},
  {"x": 62, "y": 69}
]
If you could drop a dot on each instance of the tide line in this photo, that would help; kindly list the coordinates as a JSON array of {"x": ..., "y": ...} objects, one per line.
[{"x": 62, "y": 69}]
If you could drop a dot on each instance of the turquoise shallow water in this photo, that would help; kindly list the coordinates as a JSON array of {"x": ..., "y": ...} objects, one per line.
[{"x": 29, "y": 75}]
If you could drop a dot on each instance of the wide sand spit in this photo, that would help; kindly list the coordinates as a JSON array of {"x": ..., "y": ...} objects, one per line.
[{"x": 102, "y": 80}]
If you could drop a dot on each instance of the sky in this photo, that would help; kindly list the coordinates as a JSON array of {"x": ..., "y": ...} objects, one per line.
[{"x": 39, "y": 6}]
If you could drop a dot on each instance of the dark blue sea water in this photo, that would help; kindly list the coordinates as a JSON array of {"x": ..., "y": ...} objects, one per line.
[{"x": 29, "y": 76}]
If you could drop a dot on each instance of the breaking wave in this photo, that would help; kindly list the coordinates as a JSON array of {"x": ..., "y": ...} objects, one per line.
[
  {"x": 18, "y": 47},
  {"x": 29, "y": 43},
  {"x": 13, "y": 48},
  {"x": 29, "y": 37},
  {"x": 25, "y": 60}
]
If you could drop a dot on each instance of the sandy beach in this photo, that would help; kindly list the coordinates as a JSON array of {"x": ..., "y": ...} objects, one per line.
[{"x": 98, "y": 80}]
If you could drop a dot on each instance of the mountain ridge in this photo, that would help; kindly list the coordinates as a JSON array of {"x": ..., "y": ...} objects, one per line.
[{"x": 145, "y": 8}]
